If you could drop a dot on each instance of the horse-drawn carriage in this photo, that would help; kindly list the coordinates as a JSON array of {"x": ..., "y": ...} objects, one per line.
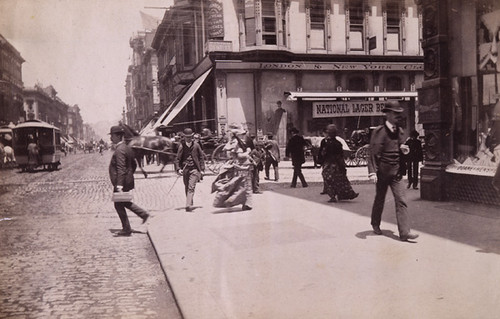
[
  {"x": 356, "y": 150},
  {"x": 164, "y": 150}
]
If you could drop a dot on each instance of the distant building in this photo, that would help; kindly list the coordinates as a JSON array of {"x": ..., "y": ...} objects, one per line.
[
  {"x": 325, "y": 61},
  {"x": 11, "y": 84},
  {"x": 44, "y": 104},
  {"x": 142, "y": 93}
]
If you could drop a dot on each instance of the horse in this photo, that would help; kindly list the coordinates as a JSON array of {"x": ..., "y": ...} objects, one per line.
[
  {"x": 148, "y": 145},
  {"x": 9, "y": 157},
  {"x": 6, "y": 156}
]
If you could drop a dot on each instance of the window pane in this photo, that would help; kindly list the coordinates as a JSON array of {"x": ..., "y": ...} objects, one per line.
[
  {"x": 356, "y": 12},
  {"x": 317, "y": 38},
  {"x": 269, "y": 39},
  {"x": 268, "y": 8},
  {"x": 393, "y": 41},
  {"x": 250, "y": 32},
  {"x": 269, "y": 25},
  {"x": 393, "y": 13},
  {"x": 249, "y": 9},
  {"x": 356, "y": 40}
]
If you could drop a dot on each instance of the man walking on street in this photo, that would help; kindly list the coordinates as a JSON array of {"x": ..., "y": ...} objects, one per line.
[
  {"x": 413, "y": 159},
  {"x": 386, "y": 167},
  {"x": 192, "y": 165},
  {"x": 121, "y": 173},
  {"x": 272, "y": 156},
  {"x": 295, "y": 149}
]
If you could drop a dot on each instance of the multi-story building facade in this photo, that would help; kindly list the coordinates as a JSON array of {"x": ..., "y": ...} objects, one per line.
[
  {"x": 141, "y": 85},
  {"x": 44, "y": 104},
  {"x": 11, "y": 84},
  {"x": 325, "y": 61}
]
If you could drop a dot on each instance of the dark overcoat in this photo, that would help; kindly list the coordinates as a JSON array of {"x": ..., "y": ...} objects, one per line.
[{"x": 122, "y": 167}]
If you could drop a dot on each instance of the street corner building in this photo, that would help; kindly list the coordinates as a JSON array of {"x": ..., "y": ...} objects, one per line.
[{"x": 273, "y": 65}]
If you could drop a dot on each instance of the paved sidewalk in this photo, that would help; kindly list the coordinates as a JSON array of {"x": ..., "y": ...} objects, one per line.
[{"x": 296, "y": 256}]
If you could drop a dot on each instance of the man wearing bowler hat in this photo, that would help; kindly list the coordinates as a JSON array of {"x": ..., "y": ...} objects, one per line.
[
  {"x": 191, "y": 163},
  {"x": 121, "y": 173},
  {"x": 386, "y": 168}
]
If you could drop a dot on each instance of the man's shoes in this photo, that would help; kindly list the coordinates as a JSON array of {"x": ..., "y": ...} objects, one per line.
[
  {"x": 145, "y": 219},
  {"x": 415, "y": 187},
  {"x": 322, "y": 193},
  {"x": 292, "y": 186},
  {"x": 276, "y": 179},
  {"x": 246, "y": 207},
  {"x": 376, "y": 230},
  {"x": 409, "y": 236},
  {"x": 189, "y": 209},
  {"x": 257, "y": 192},
  {"x": 266, "y": 178},
  {"x": 305, "y": 185},
  {"x": 409, "y": 185},
  {"x": 124, "y": 233}
]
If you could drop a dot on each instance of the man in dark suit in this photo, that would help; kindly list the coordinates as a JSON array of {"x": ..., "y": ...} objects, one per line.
[
  {"x": 191, "y": 162},
  {"x": 386, "y": 168},
  {"x": 121, "y": 173},
  {"x": 272, "y": 156},
  {"x": 295, "y": 149},
  {"x": 413, "y": 159}
]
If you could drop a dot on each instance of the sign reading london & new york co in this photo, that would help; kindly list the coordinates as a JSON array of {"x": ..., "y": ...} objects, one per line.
[{"x": 347, "y": 108}]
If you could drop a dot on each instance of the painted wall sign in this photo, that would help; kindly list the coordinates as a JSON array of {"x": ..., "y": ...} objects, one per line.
[
  {"x": 340, "y": 66},
  {"x": 215, "y": 19},
  {"x": 347, "y": 108}
]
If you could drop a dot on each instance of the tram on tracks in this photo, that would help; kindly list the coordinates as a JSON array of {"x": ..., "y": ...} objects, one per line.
[{"x": 37, "y": 144}]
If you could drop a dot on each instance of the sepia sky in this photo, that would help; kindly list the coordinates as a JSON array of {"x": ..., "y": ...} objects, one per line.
[{"x": 80, "y": 47}]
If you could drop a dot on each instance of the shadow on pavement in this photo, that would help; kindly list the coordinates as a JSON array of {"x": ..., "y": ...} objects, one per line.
[{"x": 468, "y": 223}]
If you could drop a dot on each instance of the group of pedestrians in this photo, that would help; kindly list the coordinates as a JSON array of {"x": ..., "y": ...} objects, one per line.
[{"x": 238, "y": 179}]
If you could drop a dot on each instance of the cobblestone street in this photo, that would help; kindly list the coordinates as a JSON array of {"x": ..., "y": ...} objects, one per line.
[{"x": 59, "y": 258}]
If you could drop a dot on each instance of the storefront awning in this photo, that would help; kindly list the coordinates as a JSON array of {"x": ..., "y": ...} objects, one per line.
[
  {"x": 148, "y": 129},
  {"x": 325, "y": 96},
  {"x": 172, "y": 111}
]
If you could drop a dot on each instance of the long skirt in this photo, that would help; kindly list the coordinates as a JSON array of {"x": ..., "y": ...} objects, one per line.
[
  {"x": 233, "y": 189},
  {"x": 337, "y": 184}
]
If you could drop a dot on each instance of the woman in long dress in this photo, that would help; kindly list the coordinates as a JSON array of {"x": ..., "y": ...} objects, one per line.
[
  {"x": 233, "y": 185},
  {"x": 337, "y": 186}
]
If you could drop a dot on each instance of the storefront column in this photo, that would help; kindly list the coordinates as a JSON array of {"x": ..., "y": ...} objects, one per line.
[{"x": 436, "y": 100}]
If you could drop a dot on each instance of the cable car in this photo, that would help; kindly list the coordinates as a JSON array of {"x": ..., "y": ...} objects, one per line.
[{"x": 47, "y": 139}]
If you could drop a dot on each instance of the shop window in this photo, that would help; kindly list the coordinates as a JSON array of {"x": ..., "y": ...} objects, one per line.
[
  {"x": 357, "y": 84},
  {"x": 393, "y": 83},
  {"x": 317, "y": 18},
  {"x": 356, "y": 27},
  {"x": 264, "y": 25},
  {"x": 393, "y": 23}
]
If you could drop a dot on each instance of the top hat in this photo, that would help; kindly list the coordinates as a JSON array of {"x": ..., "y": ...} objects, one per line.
[
  {"x": 187, "y": 132},
  {"x": 392, "y": 106},
  {"x": 236, "y": 129},
  {"x": 293, "y": 130},
  {"x": 117, "y": 129}
]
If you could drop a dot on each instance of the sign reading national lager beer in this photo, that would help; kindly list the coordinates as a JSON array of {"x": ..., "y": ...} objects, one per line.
[{"x": 347, "y": 108}]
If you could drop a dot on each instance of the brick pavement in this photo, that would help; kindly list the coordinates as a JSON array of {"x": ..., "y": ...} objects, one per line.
[{"x": 59, "y": 258}]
